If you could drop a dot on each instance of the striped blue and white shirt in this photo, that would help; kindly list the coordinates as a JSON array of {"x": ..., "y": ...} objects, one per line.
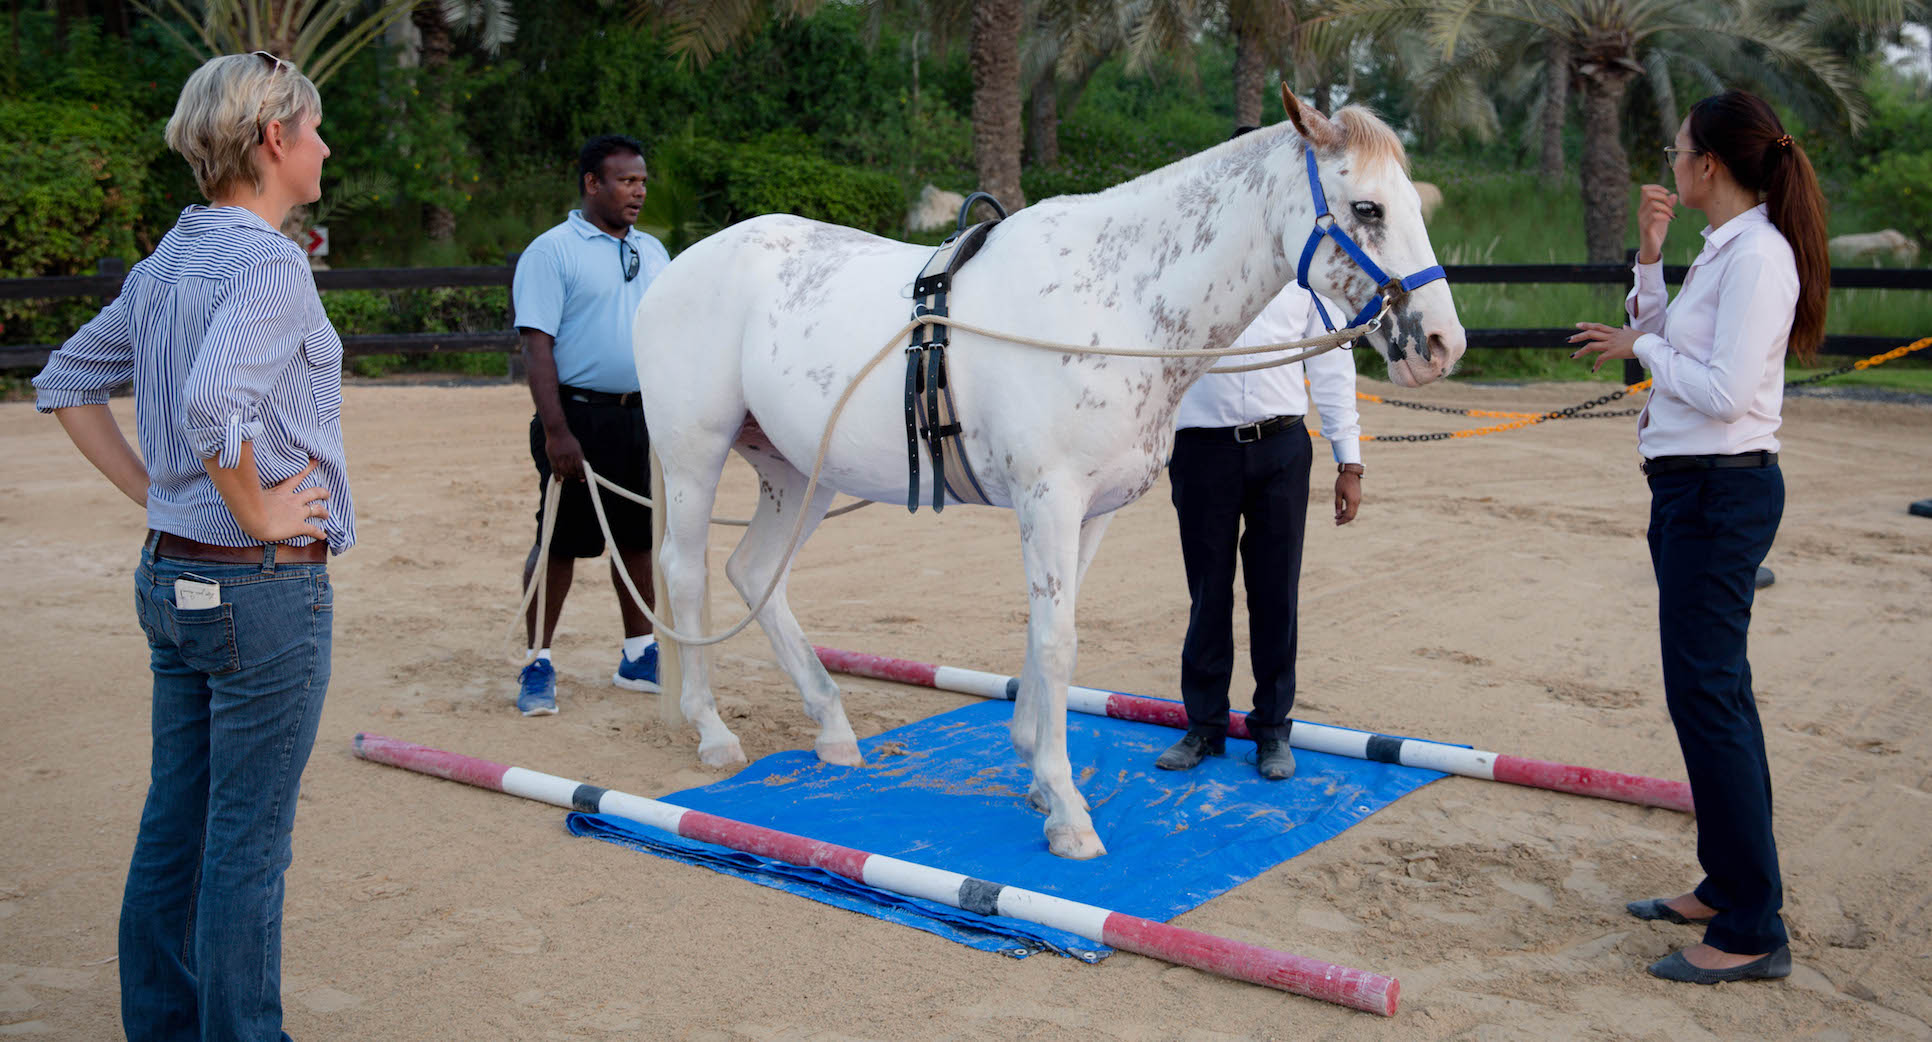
[{"x": 225, "y": 339}]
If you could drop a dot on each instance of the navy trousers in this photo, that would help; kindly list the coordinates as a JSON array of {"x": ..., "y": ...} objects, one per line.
[
  {"x": 1709, "y": 531},
  {"x": 1250, "y": 499}
]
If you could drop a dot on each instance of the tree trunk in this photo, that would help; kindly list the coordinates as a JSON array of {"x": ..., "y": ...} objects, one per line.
[
  {"x": 439, "y": 222},
  {"x": 1606, "y": 169},
  {"x": 1043, "y": 121},
  {"x": 114, "y": 18},
  {"x": 1250, "y": 75},
  {"x": 995, "y": 57},
  {"x": 436, "y": 45},
  {"x": 1556, "y": 103}
]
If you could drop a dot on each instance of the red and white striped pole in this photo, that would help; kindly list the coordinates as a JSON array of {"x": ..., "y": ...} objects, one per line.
[
  {"x": 1409, "y": 752},
  {"x": 1298, "y": 974}
]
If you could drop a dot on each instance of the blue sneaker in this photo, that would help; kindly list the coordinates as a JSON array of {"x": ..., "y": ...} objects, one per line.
[
  {"x": 640, "y": 673},
  {"x": 538, "y": 694}
]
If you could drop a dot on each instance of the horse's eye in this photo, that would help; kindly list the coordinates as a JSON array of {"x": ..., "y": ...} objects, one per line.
[{"x": 1368, "y": 211}]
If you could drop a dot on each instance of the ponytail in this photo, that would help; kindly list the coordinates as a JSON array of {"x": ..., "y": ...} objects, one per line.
[
  {"x": 1742, "y": 132},
  {"x": 1797, "y": 207}
]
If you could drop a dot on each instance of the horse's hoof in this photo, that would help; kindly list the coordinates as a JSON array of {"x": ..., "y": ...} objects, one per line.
[
  {"x": 1077, "y": 844},
  {"x": 842, "y": 754},
  {"x": 1037, "y": 799},
  {"x": 724, "y": 754}
]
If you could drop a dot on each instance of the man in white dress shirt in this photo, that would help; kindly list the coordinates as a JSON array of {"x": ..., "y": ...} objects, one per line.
[{"x": 1241, "y": 461}]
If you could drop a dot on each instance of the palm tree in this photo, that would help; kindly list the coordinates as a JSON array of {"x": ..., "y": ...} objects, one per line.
[
  {"x": 302, "y": 31},
  {"x": 1610, "y": 42},
  {"x": 1262, "y": 31},
  {"x": 700, "y": 30},
  {"x": 437, "y": 22},
  {"x": 994, "y": 53}
]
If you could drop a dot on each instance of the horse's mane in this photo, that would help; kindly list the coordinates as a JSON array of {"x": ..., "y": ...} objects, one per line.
[{"x": 1366, "y": 137}]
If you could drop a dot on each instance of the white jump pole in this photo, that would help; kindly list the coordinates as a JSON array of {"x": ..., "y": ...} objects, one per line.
[
  {"x": 1297, "y": 974},
  {"x": 1361, "y": 745}
]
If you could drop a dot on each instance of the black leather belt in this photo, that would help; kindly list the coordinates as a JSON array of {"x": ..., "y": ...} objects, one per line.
[
  {"x": 1679, "y": 464},
  {"x": 1248, "y": 433},
  {"x": 629, "y": 399}
]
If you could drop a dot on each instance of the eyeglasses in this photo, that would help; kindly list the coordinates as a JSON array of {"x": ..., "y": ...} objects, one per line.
[
  {"x": 628, "y": 259},
  {"x": 1671, "y": 154}
]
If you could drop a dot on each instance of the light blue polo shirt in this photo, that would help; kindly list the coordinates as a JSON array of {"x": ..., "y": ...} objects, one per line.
[{"x": 570, "y": 284}]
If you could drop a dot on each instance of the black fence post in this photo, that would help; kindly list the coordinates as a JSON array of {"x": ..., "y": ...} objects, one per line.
[
  {"x": 1633, "y": 371},
  {"x": 515, "y": 372},
  {"x": 111, "y": 266}
]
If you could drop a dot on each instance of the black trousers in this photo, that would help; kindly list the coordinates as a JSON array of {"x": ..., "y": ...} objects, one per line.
[
  {"x": 1709, "y": 531},
  {"x": 1250, "y": 499}
]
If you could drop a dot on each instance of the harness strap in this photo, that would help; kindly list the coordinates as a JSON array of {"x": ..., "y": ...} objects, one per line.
[{"x": 929, "y": 406}]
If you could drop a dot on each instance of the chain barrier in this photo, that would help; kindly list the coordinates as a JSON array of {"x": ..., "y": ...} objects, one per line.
[
  {"x": 1518, "y": 419},
  {"x": 1864, "y": 363},
  {"x": 1576, "y": 412}
]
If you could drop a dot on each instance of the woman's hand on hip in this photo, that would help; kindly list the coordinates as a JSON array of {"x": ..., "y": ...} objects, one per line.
[{"x": 288, "y": 512}]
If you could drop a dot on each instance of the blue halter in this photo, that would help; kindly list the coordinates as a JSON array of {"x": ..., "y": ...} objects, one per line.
[{"x": 1326, "y": 227}]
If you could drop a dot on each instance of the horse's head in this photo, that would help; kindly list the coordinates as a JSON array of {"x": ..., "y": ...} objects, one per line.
[{"x": 1364, "y": 179}]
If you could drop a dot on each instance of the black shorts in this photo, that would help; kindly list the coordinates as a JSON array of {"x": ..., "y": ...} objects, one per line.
[{"x": 618, "y": 447}]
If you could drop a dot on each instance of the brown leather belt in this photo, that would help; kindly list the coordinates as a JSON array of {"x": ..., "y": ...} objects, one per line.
[{"x": 181, "y": 548}]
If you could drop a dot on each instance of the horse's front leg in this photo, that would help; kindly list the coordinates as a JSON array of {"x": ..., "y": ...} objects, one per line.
[
  {"x": 1090, "y": 532},
  {"x": 1050, "y": 538}
]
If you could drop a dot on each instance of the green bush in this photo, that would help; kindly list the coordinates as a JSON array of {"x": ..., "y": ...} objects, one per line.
[
  {"x": 781, "y": 174},
  {"x": 74, "y": 176}
]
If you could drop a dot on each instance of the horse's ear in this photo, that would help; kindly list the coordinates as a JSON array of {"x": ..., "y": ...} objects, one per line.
[{"x": 1317, "y": 129}]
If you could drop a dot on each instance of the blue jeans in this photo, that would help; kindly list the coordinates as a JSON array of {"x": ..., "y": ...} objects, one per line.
[
  {"x": 237, "y": 696},
  {"x": 1709, "y": 531}
]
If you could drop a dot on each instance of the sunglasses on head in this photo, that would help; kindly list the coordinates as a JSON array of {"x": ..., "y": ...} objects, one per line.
[{"x": 275, "y": 65}]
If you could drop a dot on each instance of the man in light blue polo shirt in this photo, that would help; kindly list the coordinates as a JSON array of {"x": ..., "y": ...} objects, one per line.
[{"x": 576, "y": 288}]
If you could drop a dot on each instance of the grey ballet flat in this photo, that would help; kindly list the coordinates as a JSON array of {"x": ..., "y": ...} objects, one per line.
[{"x": 1771, "y": 967}]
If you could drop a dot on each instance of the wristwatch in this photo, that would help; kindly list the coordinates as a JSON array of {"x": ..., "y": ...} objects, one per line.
[{"x": 1351, "y": 468}]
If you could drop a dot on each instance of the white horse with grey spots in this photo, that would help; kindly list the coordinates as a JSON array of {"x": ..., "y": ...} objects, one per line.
[{"x": 747, "y": 340}]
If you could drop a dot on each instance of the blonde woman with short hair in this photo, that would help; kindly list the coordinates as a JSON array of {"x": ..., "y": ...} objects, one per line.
[{"x": 238, "y": 397}]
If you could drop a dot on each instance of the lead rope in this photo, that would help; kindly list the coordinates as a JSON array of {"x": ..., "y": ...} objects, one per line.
[{"x": 1303, "y": 349}]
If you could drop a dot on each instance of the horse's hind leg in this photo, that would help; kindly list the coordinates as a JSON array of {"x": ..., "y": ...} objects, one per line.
[
  {"x": 762, "y": 551},
  {"x": 1090, "y": 532},
  {"x": 1050, "y": 544},
  {"x": 691, "y": 471}
]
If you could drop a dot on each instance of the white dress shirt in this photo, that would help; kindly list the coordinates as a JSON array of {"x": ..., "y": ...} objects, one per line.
[
  {"x": 1716, "y": 353},
  {"x": 1233, "y": 399}
]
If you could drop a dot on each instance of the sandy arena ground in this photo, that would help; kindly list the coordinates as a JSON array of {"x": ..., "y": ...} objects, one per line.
[{"x": 1495, "y": 591}]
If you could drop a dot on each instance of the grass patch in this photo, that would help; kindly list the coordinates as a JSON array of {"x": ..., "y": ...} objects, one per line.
[{"x": 1511, "y": 217}]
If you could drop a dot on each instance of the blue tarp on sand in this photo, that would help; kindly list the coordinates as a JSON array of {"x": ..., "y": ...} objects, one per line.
[{"x": 950, "y": 792}]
